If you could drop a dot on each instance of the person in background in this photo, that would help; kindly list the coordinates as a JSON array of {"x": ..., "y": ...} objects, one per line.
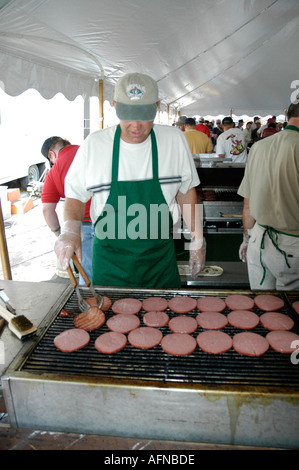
[
  {"x": 61, "y": 153},
  {"x": 256, "y": 120},
  {"x": 133, "y": 171},
  {"x": 247, "y": 133},
  {"x": 197, "y": 141},
  {"x": 201, "y": 127},
  {"x": 254, "y": 133},
  {"x": 231, "y": 144},
  {"x": 180, "y": 123},
  {"x": 216, "y": 131},
  {"x": 270, "y": 189},
  {"x": 240, "y": 124},
  {"x": 269, "y": 130}
]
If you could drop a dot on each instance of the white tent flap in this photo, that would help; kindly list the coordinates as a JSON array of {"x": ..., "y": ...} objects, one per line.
[{"x": 208, "y": 56}]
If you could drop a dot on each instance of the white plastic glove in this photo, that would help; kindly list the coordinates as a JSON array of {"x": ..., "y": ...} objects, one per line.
[
  {"x": 68, "y": 242},
  {"x": 243, "y": 248},
  {"x": 197, "y": 256}
]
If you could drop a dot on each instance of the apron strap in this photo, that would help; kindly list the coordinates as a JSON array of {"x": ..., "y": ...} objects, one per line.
[
  {"x": 115, "y": 155},
  {"x": 115, "y": 159},
  {"x": 271, "y": 233},
  {"x": 154, "y": 156}
]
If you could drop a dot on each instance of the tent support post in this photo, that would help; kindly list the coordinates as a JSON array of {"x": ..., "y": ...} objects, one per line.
[
  {"x": 3, "y": 249},
  {"x": 101, "y": 104}
]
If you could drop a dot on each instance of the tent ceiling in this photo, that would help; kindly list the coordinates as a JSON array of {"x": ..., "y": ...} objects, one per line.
[{"x": 208, "y": 56}]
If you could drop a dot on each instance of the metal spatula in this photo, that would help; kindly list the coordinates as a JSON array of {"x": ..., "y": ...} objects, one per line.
[{"x": 84, "y": 306}]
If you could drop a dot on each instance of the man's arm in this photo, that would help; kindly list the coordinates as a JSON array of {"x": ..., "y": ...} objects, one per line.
[
  {"x": 191, "y": 215},
  {"x": 248, "y": 220},
  {"x": 69, "y": 242},
  {"x": 51, "y": 217},
  {"x": 248, "y": 223}
]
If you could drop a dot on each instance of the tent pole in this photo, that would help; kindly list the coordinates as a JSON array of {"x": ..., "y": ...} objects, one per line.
[
  {"x": 101, "y": 104},
  {"x": 3, "y": 249}
]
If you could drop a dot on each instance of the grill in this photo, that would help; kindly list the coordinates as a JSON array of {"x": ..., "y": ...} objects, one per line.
[
  {"x": 272, "y": 369},
  {"x": 226, "y": 399}
]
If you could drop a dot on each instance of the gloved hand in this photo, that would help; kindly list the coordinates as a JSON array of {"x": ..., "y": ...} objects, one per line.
[
  {"x": 68, "y": 242},
  {"x": 243, "y": 248},
  {"x": 197, "y": 256}
]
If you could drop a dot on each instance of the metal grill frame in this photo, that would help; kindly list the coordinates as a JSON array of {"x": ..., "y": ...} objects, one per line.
[
  {"x": 193, "y": 412},
  {"x": 226, "y": 371}
]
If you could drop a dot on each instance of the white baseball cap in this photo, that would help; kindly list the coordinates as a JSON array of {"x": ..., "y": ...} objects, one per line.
[{"x": 136, "y": 97}]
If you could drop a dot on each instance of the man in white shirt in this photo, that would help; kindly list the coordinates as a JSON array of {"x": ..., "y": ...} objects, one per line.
[
  {"x": 231, "y": 143},
  {"x": 131, "y": 171}
]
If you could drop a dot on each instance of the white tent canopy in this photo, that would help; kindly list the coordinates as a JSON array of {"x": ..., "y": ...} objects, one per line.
[{"x": 208, "y": 56}]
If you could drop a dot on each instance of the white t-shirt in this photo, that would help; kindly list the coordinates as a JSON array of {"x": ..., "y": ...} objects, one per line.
[
  {"x": 231, "y": 143},
  {"x": 90, "y": 173}
]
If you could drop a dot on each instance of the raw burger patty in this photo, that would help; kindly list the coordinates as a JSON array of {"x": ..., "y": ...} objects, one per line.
[
  {"x": 155, "y": 304},
  {"x": 71, "y": 340},
  {"x": 123, "y": 323},
  {"x": 111, "y": 342},
  {"x": 145, "y": 337},
  {"x": 214, "y": 342},
  {"x": 268, "y": 302},
  {"x": 183, "y": 324},
  {"x": 295, "y": 306},
  {"x": 106, "y": 303},
  {"x": 250, "y": 344},
  {"x": 281, "y": 341},
  {"x": 178, "y": 344},
  {"x": 276, "y": 321},
  {"x": 239, "y": 302},
  {"x": 155, "y": 319},
  {"x": 211, "y": 320},
  {"x": 90, "y": 320},
  {"x": 181, "y": 304},
  {"x": 243, "y": 319},
  {"x": 210, "y": 304},
  {"x": 127, "y": 305}
]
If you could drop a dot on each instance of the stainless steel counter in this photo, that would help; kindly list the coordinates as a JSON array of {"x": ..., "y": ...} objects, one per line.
[
  {"x": 32, "y": 299},
  {"x": 234, "y": 276}
]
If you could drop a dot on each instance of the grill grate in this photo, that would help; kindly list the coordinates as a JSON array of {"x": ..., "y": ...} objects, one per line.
[{"x": 271, "y": 370}]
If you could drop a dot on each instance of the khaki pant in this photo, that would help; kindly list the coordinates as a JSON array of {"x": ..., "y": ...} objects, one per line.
[{"x": 270, "y": 263}]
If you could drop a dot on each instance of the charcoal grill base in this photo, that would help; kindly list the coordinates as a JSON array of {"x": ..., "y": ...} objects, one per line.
[{"x": 149, "y": 412}]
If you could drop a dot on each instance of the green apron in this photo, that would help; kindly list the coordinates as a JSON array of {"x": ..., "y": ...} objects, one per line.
[{"x": 130, "y": 250}]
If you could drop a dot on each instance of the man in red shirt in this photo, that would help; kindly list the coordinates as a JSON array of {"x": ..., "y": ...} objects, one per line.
[
  {"x": 61, "y": 153},
  {"x": 201, "y": 127}
]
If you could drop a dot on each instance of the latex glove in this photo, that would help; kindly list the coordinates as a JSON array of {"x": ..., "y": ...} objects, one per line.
[
  {"x": 197, "y": 256},
  {"x": 243, "y": 248},
  {"x": 68, "y": 242}
]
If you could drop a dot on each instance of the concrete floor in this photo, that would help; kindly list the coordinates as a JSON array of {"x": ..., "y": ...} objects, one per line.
[{"x": 30, "y": 246}]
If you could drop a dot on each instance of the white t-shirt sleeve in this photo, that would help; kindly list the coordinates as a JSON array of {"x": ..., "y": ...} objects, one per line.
[{"x": 75, "y": 186}]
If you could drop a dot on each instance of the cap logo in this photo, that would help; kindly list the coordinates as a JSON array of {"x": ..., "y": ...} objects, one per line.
[{"x": 135, "y": 92}]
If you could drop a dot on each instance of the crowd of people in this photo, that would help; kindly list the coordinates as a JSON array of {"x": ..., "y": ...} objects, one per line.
[{"x": 253, "y": 131}]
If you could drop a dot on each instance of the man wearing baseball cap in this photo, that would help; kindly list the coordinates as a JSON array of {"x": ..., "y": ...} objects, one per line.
[
  {"x": 134, "y": 172},
  {"x": 231, "y": 143}
]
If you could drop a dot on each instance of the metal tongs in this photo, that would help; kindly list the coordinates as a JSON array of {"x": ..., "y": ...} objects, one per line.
[{"x": 83, "y": 305}]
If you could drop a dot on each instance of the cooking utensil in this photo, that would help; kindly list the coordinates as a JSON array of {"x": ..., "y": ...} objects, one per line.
[
  {"x": 7, "y": 301},
  {"x": 18, "y": 324},
  {"x": 84, "y": 306}
]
